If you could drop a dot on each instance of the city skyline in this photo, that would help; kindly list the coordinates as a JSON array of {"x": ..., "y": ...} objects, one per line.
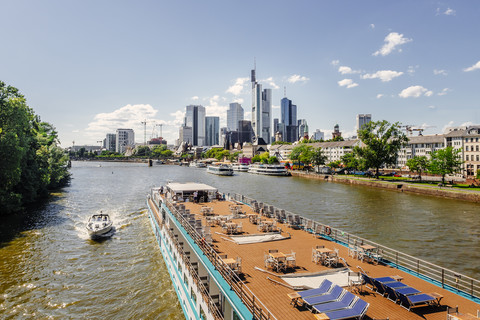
[{"x": 89, "y": 72}]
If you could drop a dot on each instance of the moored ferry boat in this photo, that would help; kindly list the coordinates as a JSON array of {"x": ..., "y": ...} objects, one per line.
[
  {"x": 232, "y": 257},
  {"x": 241, "y": 167},
  {"x": 268, "y": 169},
  {"x": 221, "y": 170}
]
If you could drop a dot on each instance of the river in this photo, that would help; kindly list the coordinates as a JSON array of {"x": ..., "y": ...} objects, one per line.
[{"x": 49, "y": 268}]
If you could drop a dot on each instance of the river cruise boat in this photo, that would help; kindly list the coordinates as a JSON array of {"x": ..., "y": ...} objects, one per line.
[
  {"x": 221, "y": 170},
  {"x": 232, "y": 257},
  {"x": 241, "y": 167},
  {"x": 268, "y": 169},
  {"x": 99, "y": 225}
]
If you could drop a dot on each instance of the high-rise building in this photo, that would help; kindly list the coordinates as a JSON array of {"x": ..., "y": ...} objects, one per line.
[
  {"x": 109, "y": 142},
  {"x": 195, "y": 118},
  {"x": 289, "y": 127},
  {"x": 123, "y": 139},
  {"x": 185, "y": 134},
  {"x": 261, "y": 110},
  {"x": 212, "y": 131},
  {"x": 234, "y": 114},
  {"x": 318, "y": 135},
  {"x": 302, "y": 125},
  {"x": 363, "y": 119},
  {"x": 245, "y": 131}
]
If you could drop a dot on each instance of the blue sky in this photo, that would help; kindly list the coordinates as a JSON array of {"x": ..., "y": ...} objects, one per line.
[{"x": 89, "y": 67}]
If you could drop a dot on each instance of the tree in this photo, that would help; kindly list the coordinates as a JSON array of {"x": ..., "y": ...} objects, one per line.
[
  {"x": 418, "y": 164},
  {"x": 31, "y": 163},
  {"x": 351, "y": 160},
  {"x": 302, "y": 153},
  {"x": 318, "y": 157},
  {"x": 445, "y": 161},
  {"x": 382, "y": 142},
  {"x": 335, "y": 164}
]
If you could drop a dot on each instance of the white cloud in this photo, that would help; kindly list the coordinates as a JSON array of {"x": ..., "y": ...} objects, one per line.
[
  {"x": 444, "y": 91},
  {"x": 238, "y": 100},
  {"x": 448, "y": 125},
  {"x": 432, "y": 107},
  {"x": 384, "y": 75},
  {"x": 347, "y": 83},
  {"x": 335, "y": 62},
  {"x": 380, "y": 95},
  {"x": 449, "y": 12},
  {"x": 270, "y": 82},
  {"x": 194, "y": 98},
  {"x": 275, "y": 107},
  {"x": 237, "y": 88},
  {"x": 372, "y": 26},
  {"x": 347, "y": 70},
  {"x": 439, "y": 72},
  {"x": 415, "y": 92},
  {"x": 129, "y": 116},
  {"x": 392, "y": 40},
  {"x": 297, "y": 78},
  {"x": 476, "y": 66},
  {"x": 411, "y": 69}
]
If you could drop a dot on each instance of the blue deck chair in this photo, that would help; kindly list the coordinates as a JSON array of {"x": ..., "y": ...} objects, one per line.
[
  {"x": 408, "y": 291},
  {"x": 385, "y": 279},
  {"x": 345, "y": 302},
  {"x": 324, "y": 288},
  {"x": 391, "y": 294},
  {"x": 414, "y": 300},
  {"x": 368, "y": 281},
  {"x": 357, "y": 311},
  {"x": 335, "y": 295}
]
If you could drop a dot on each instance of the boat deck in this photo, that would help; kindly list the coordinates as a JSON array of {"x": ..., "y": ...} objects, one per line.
[{"x": 274, "y": 295}]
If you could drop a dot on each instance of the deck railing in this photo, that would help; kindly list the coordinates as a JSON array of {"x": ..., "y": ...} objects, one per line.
[
  {"x": 253, "y": 304},
  {"x": 446, "y": 278},
  {"x": 212, "y": 307}
]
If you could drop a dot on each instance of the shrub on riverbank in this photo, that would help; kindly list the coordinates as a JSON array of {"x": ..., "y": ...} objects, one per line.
[{"x": 31, "y": 163}]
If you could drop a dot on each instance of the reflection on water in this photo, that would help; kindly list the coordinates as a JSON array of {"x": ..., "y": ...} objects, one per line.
[{"x": 49, "y": 267}]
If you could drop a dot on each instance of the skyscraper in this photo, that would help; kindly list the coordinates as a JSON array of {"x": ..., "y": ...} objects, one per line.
[
  {"x": 124, "y": 138},
  {"x": 212, "y": 131},
  {"x": 289, "y": 121},
  {"x": 185, "y": 134},
  {"x": 234, "y": 115},
  {"x": 195, "y": 118},
  {"x": 363, "y": 119},
  {"x": 261, "y": 110},
  {"x": 302, "y": 124}
]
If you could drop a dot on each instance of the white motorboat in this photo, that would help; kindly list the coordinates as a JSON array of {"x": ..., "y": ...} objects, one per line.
[
  {"x": 221, "y": 170},
  {"x": 99, "y": 225},
  {"x": 242, "y": 167},
  {"x": 268, "y": 169},
  {"x": 197, "y": 164}
]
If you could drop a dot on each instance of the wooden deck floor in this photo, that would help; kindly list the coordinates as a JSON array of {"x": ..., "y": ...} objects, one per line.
[{"x": 274, "y": 296}]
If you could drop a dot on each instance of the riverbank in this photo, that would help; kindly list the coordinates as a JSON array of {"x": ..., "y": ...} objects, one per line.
[{"x": 445, "y": 192}]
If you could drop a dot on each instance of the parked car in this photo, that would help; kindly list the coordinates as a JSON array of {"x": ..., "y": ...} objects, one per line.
[{"x": 388, "y": 174}]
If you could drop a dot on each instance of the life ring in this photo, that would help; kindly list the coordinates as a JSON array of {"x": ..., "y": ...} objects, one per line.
[
  {"x": 175, "y": 198},
  {"x": 328, "y": 230}
]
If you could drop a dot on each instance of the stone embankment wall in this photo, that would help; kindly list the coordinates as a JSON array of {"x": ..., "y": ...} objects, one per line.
[{"x": 445, "y": 192}]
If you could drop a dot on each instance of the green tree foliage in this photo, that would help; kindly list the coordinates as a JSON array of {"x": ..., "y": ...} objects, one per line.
[
  {"x": 142, "y": 151},
  {"x": 31, "y": 163},
  {"x": 418, "y": 164},
  {"x": 382, "y": 142},
  {"x": 264, "y": 158},
  {"x": 445, "y": 161},
  {"x": 335, "y": 164},
  {"x": 302, "y": 153},
  {"x": 318, "y": 158},
  {"x": 352, "y": 161},
  {"x": 161, "y": 151}
]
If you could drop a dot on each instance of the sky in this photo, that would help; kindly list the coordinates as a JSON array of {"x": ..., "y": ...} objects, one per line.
[{"x": 90, "y": 67}]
